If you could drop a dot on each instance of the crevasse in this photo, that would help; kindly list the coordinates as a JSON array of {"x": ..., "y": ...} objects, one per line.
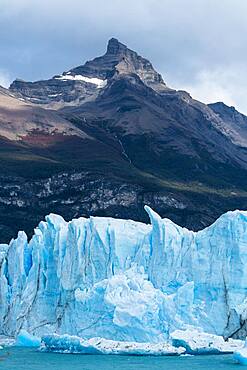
[{"x": 124, "y": 280}]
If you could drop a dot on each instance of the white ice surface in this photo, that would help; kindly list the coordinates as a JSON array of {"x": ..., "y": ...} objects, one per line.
[
  {"x": 73, "y": 344},
  {"x": 197, "y": 342}
]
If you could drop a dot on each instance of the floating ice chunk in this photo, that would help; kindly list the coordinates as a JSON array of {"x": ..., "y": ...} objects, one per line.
[
  {"x": 240, "y": 355},
  {"x": 24, "y": 339},
  {"x": 197, "y": 343},
  {"x": 74, "y": 344}
]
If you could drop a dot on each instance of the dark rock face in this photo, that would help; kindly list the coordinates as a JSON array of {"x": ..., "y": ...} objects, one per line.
[
  {"x": 24, "y": 202},
  {"x": 121, "y": 60},
  {"x": 235, "y": 122},
  {"x": 54, "y": 92},
  {"x": 168, "y": 129},
  {"x": 116, "y": 139}
]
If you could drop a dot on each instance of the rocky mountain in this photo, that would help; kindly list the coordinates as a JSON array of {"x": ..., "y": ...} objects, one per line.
[
  {"x": 109, "y": 136},
  {"x": 234, "y": 122},
  {"x": 18, "y": 120},
  {"x": 85, "y": 82}
]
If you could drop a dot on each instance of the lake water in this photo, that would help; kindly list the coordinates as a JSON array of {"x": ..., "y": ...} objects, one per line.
[{"x": 31, "y": 359}]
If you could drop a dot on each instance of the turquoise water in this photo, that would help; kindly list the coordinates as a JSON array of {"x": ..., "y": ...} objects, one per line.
[{"x": 30, "y": 359}]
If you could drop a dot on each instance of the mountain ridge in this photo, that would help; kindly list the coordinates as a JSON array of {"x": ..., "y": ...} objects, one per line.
[
  {"x": 117, "y": 60},
  {"x": 127, "y": 138}
]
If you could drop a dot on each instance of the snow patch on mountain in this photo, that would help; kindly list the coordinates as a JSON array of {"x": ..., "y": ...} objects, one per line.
[{"x": 93, "y": 80}]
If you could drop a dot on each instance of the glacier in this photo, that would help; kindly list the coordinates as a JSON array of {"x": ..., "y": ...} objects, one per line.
[{"x": 125, "y": 281}]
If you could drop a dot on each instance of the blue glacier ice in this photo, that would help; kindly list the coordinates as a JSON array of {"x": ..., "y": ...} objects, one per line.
[
  {"x": 125, "y": 281},
  {"x": 25, "y": 339},
  {"x": 240, "y": 356}
]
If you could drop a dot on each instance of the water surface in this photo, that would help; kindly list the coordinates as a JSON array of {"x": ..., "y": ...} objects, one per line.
[{"x": 31, "y": 359}]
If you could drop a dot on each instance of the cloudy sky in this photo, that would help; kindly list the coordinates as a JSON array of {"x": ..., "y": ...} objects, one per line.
[{"x": 197, "y": 45}]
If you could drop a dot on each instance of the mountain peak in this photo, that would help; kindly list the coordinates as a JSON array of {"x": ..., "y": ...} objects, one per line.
[
  {"x": 85, "y": 82},
  {"x": 114, "y": 47},
  {"x": 120, "y": 60}
]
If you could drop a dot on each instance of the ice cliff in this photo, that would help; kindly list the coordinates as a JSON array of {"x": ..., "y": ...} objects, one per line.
[{"x": 124, "y": 280}]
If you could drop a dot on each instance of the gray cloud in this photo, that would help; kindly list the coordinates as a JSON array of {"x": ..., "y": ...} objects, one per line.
[
  {"x": 198, "y": 45},
  {"x": 4, "y": 78}
]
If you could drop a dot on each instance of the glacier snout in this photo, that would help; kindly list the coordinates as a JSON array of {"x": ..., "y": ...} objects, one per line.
[{"x": 124, "y": 280}]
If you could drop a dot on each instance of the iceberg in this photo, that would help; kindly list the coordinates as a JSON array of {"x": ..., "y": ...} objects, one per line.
[
  {"x": 240, "y": 356},
  {"x": 197, "y": 342},
  {"x": 126, "y": 281},
  {"x": 24, "y": 339},
  {"x": 74, "y": 344}
]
